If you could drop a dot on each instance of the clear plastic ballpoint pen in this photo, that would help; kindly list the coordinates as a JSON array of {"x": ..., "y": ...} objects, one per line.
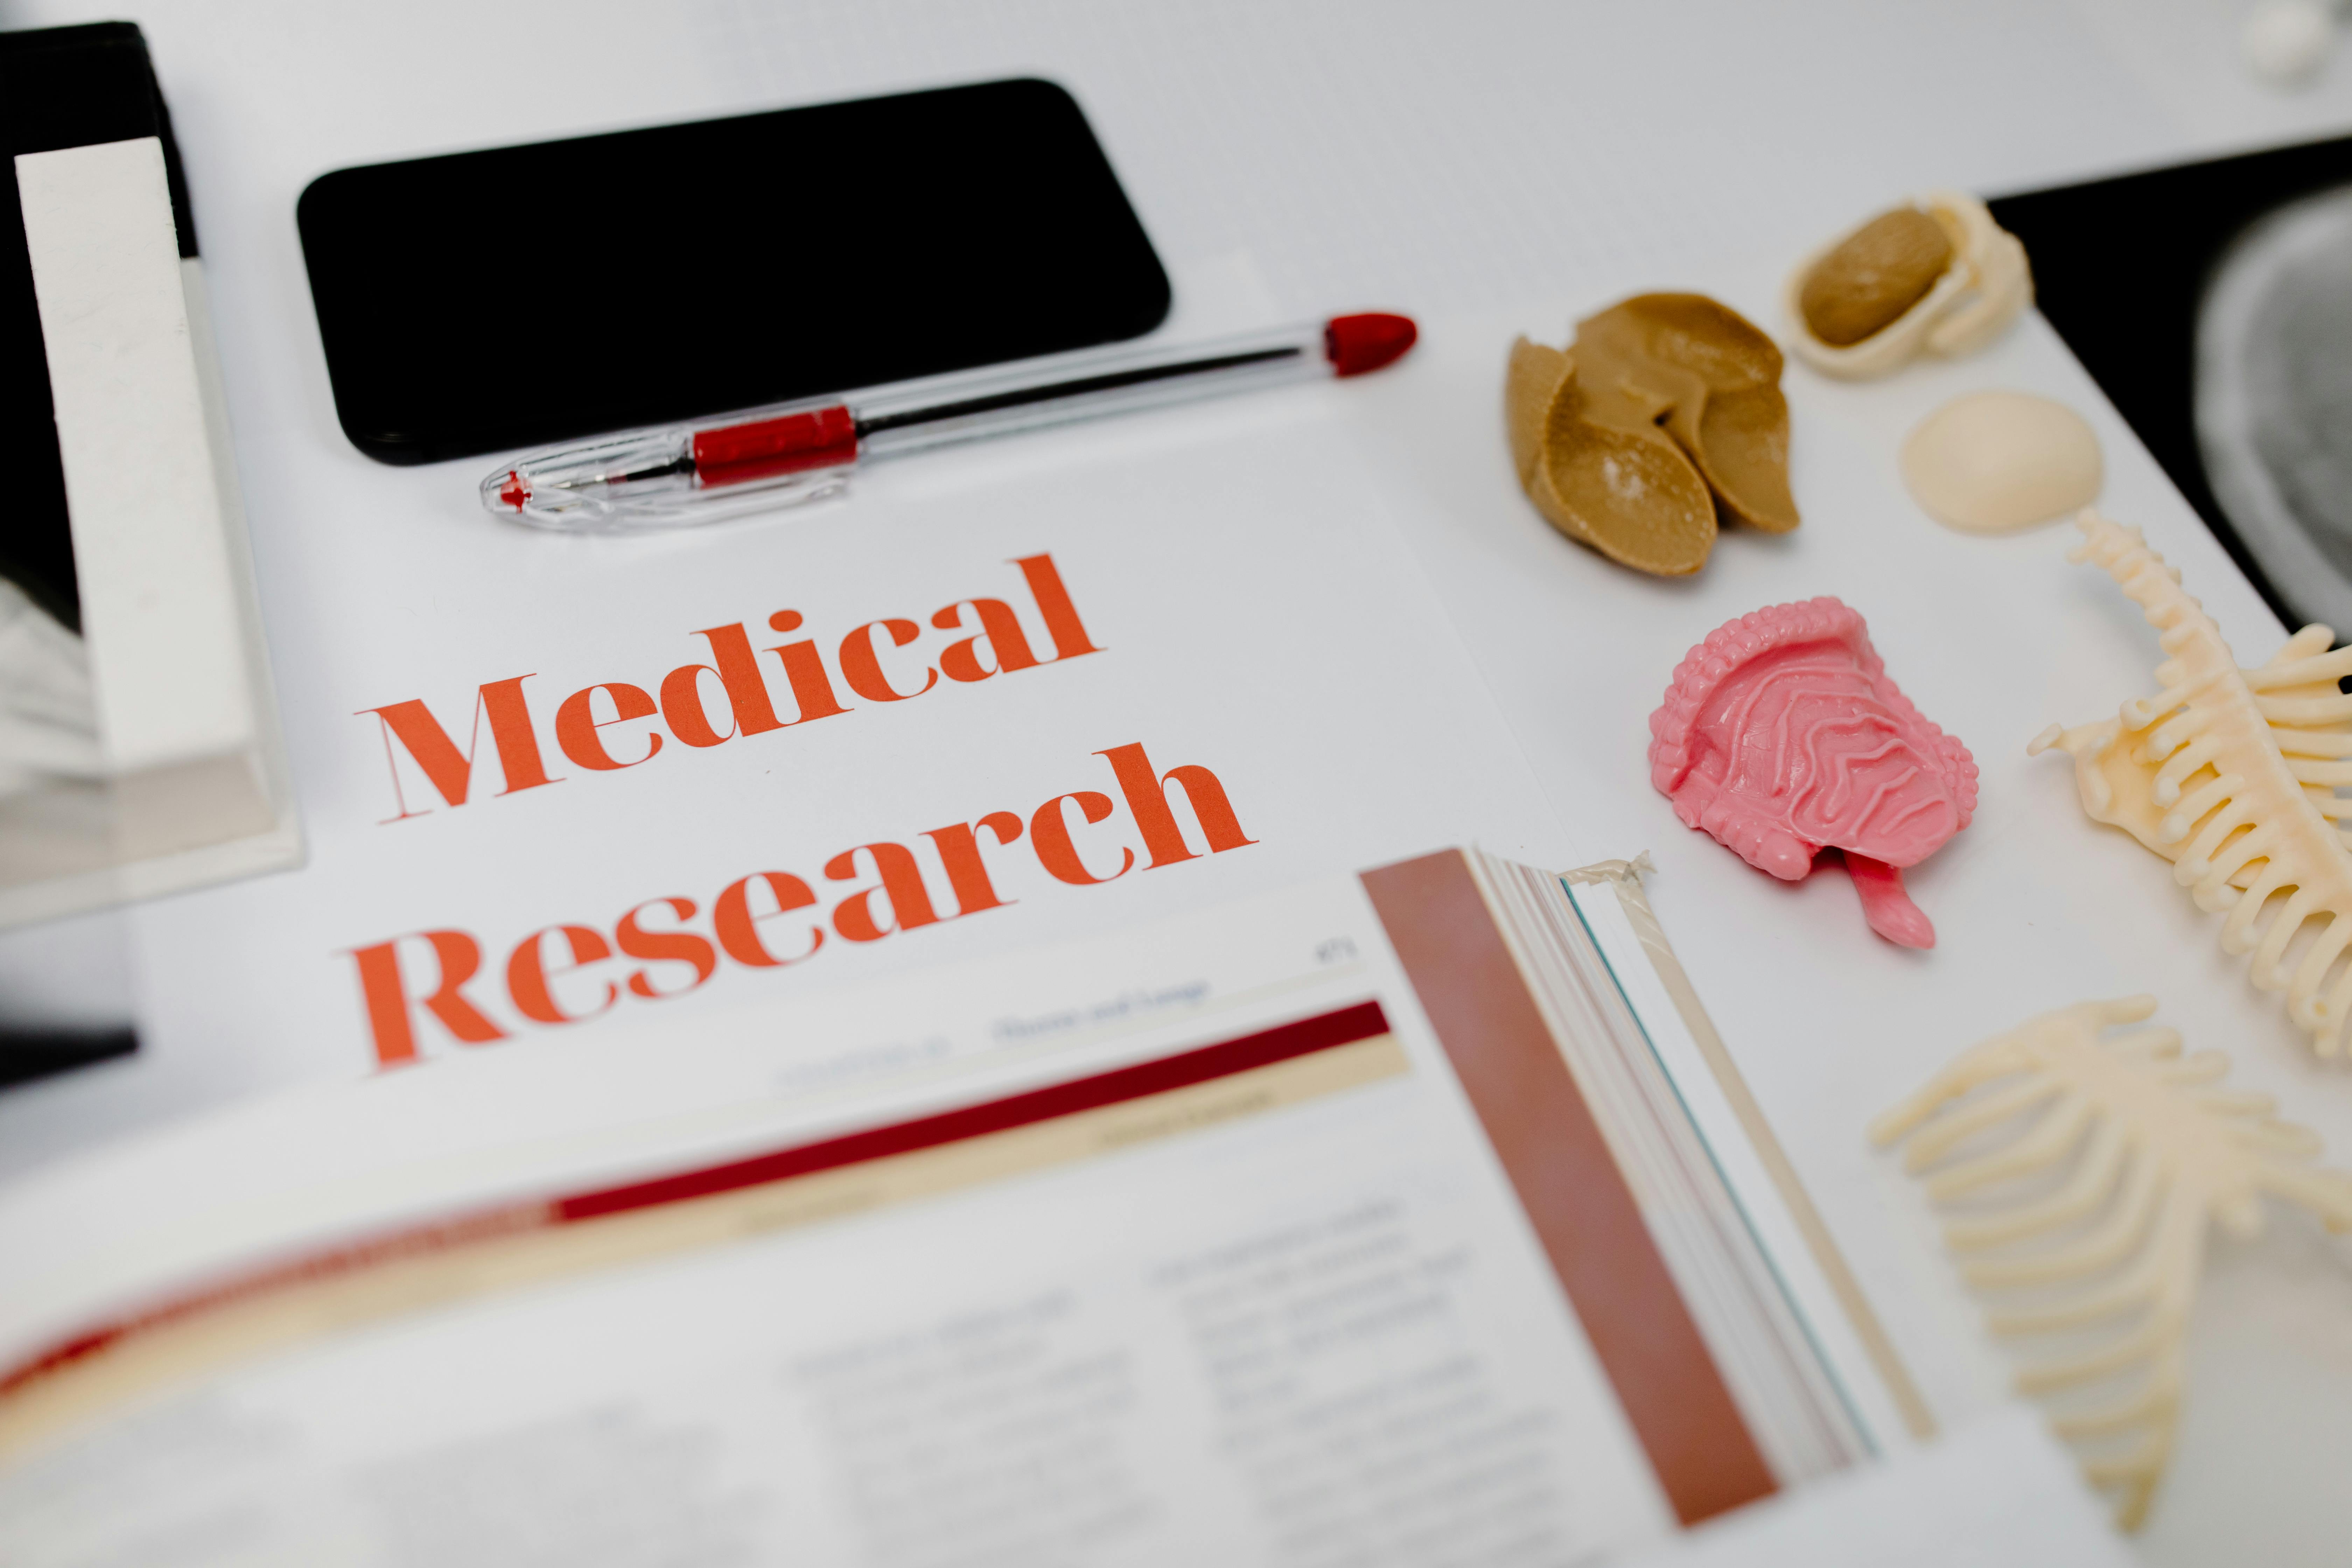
[{"x": 803, "y": 451}]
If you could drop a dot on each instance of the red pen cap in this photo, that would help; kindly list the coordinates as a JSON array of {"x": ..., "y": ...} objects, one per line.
[{"x": 1355, "y": 344}]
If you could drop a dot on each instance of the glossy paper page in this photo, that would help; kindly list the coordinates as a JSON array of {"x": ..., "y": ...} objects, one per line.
[
  {"x": 1069, "y": 683},
  {"x": 1179, "y": 1245}
]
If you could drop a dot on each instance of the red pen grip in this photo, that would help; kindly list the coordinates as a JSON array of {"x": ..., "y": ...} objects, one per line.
[{"x": 788, "y": 444}]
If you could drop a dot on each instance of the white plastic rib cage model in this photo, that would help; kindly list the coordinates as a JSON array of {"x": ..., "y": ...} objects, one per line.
[
  {"x": 2080, "y": 1170},
  {"x": 2231, "y": 774}
]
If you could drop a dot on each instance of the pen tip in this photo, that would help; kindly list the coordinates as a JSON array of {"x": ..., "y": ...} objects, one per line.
[
  {"x": 505, "y": 492},
  {"x": 1355, "y": 344}
]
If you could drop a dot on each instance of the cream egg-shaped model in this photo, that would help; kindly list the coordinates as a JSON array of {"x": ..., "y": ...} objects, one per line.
[{"x": 1991, "y": 462}]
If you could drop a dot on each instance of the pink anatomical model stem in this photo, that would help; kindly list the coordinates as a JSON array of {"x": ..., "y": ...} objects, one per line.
[
  {"x": 1781, "y": 736},
  {"x": 1884, "y": 904}
]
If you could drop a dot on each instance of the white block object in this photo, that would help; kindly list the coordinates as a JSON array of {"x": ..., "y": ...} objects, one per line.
[
  {"x": 196, "y": 788},
  {"x": 157, "y": 606}
]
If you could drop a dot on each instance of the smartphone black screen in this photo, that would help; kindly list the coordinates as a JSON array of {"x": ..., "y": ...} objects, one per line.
[{"x": 523, "y": 295}]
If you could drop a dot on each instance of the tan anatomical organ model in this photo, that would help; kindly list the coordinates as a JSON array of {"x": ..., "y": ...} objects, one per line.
[
  {"x": 1664, "y": 415},
  {"x": 1934, "y": 276}
]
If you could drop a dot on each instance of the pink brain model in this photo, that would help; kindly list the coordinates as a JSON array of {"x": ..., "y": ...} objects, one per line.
[{"x": 1781, "y": 736}]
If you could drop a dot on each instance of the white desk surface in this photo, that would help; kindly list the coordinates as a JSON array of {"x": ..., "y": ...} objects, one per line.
[{"x": 1492, "y": 168}]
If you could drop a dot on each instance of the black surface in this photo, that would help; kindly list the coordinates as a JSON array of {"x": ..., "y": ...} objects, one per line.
[
  {"x": 25, "y": 1055},
  {"x": 526, "y": 295},
  {"x": 59, "y": 87},
  {"x": 2121, "y": 268}
]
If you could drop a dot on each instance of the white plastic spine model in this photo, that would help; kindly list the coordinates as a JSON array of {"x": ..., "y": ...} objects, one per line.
[
  {"x": 2231, "y": 774},
  {"x": 2090, "y": 1165}
]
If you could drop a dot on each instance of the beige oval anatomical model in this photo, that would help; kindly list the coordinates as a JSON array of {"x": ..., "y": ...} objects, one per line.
[
  {"x": 1868, "y": 303},
  {"x": 1992, "y": 462}
]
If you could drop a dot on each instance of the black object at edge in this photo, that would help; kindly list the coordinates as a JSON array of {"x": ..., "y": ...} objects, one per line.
[
  {"x": 400, "y": 392},
  {"x": 29, "y": 1054},
  {"x": 59, "y": 87},
  {"x": 2120, "y": 269}
]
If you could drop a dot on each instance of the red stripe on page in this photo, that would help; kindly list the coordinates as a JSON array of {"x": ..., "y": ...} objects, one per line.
[
  {"x": 1302, "y": 1037},
  {"x": 325, "y": 1264}
]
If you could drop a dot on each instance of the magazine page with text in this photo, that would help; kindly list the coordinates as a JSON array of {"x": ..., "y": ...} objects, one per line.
[
  {"x": 1200, "y": 1240},
  {"x": 1099, "y": 676}
]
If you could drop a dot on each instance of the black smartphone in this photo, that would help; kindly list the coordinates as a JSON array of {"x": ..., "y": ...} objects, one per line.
[{"x": 486, "y": 301}]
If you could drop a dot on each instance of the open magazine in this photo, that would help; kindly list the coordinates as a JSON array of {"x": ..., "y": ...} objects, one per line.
[
  {"x": 857, "y": 1040},
  {"x": 1331, "y": 1225}
]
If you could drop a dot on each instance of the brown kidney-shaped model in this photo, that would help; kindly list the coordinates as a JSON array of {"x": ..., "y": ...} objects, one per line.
[
  {"x": 1934, "y": 276},
  {"x": 1870, "y": 278}
]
